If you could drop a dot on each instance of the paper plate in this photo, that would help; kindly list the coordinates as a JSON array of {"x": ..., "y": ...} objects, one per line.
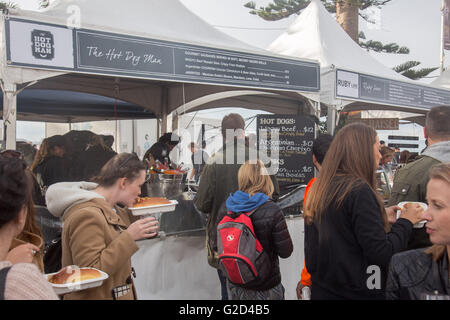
[
  {"x": 77, "y": 286},
  {"x": 424, "y": 206}
]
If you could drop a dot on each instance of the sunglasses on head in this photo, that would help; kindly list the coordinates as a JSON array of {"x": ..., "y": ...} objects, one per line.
[{"x": 12, "y": 154}]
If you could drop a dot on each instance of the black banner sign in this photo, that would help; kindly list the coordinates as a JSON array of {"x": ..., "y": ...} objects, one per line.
[
  {"x": 391, "y": 92},
  {"x": 107, "y": 53},
  {"x": 403, "y": 138},
  {"x": 294, "y": 146},
  {"x": 57, "y": 47},
  {"x": 403, "y": 145}
]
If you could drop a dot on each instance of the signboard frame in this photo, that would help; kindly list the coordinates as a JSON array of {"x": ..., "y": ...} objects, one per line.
[
  {"x": 296, "y": 136},
  {"x": 352, "y": 88},
  {"x": 380, "y": 123},
  {"x": 276, "y": 74}
]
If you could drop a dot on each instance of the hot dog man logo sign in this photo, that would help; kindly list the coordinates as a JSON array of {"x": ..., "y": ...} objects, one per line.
[{"x": 43, "y": 44}]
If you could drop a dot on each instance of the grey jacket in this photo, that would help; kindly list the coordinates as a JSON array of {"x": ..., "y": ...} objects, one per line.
[
  {"x": 410, "y": 184},
  {"x": 410, "y": 181}
]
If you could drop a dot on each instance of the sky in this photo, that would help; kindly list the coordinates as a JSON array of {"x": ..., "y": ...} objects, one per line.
[{"x": 415, "y": 24}]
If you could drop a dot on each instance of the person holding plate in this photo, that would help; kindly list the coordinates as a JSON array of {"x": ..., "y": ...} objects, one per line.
[
  {"x": 98, "y": 230},
  {"x": 20, "y": 279},
  {"x": 348, "y": 239}
]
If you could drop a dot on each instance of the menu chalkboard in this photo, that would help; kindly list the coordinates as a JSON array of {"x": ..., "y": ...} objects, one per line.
[{"x": 293, "y": 148}]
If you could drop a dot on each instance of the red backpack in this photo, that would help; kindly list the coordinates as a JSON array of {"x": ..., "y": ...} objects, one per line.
[{"x": 241, "y": 255}]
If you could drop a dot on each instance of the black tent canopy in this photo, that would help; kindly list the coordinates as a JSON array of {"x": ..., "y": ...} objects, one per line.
[{"x": 65, "y": 106}]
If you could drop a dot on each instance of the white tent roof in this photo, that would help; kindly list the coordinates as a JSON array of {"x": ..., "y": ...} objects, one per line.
[
  {"x": 443, "y": 80},
  {"x": 166, "y": 20},
  {"x": 315, "y": 34}
]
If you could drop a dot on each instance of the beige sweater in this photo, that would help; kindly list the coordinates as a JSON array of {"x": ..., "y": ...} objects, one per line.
[{"x": 25, "y": 282}]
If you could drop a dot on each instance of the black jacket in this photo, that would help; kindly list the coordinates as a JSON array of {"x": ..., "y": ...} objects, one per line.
[
  {"x": 160, "y": 151},
  {"x": 272, "y": 232},
  {"x": 349, "y": 246},
  {"x": 218, "y": 180},
  {"x": 52, "y": 170},
  {"x": 414, "y": 274},
  {"x": 90, "y": 162}
]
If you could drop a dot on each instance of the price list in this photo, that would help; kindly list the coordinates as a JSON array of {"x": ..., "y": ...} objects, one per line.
[{"x": 290, "y": 148}]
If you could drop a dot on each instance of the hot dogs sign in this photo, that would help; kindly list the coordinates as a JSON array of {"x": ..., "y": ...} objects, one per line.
[{"x": 43, "y": 44}]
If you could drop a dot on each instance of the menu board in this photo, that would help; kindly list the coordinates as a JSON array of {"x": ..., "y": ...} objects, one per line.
[
  {"x": 92, "y": 51},
  {"x": 293, "y": 148},
  {"x": 168, "y": 60},
  {"x": 354, "y": 85}
]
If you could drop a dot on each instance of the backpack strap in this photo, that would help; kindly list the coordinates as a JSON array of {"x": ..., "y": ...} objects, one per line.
[
  {"x": 3, "y": 274},
  {"x": 248, "y": 214}
]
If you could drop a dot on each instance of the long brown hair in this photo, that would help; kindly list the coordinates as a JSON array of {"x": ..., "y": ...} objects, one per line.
[
  {"x": 43, "y": 152},
  {"x": 350, "y": 162}
]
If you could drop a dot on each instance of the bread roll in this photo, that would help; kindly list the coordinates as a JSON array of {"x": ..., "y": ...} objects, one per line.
[
  {"x": 411, "y": 205},
  {"x": 147, "y": 202},
  {"x": 72, "y": 275}
]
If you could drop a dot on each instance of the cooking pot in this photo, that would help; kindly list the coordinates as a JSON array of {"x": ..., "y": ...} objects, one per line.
[{"x": 164, "y": 185}]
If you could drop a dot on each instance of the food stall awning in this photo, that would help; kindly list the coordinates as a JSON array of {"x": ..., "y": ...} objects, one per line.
[{"x": 65, "y": 106}]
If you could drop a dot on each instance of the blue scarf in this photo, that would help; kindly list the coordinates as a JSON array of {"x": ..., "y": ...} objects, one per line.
[{"x": 243, "y": 202}]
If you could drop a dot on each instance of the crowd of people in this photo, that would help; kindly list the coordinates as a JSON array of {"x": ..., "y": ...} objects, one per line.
[{"x": 356, "y": 247}]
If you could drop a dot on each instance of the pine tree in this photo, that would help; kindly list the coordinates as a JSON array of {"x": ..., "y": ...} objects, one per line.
[
  {"x": 44, "y": 3},
  {"x": 4, "y": 6},
  {"x": 347, "y": 13}
]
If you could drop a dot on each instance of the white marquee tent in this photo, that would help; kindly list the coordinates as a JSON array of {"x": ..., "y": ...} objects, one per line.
[
  {"x": 315, "y": 34},
  {"x": 143, "y": 21},
  {"x": 175, "y": 267},
  {"x": 443, "y": 81}
]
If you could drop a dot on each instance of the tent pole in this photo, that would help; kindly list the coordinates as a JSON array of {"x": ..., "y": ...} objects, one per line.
[
  {"x": 175, "y": 120},
  {"x": 331, "y": 120},
  {"x": 442, "y": 52},
  {"x": 9, "y": 115},
  {"x": 164, "y": 108},
  {"x": 135, "y": 132},
  {"x": 158, "y": 134},
  {"x": 116, "y": 129}
]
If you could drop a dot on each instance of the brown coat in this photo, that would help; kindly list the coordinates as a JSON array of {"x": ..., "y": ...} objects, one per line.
[{"x": 93, "y": 237}]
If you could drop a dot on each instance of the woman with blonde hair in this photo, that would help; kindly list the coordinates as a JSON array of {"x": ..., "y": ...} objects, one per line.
[
  {"x": 254, "y": 195},
  {"x": 347, "y": 246},
  {"x": 424, "y": 273}
]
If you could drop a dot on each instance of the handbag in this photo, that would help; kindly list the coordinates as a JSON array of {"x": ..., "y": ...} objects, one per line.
[{"x": 53, "y": 256}]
